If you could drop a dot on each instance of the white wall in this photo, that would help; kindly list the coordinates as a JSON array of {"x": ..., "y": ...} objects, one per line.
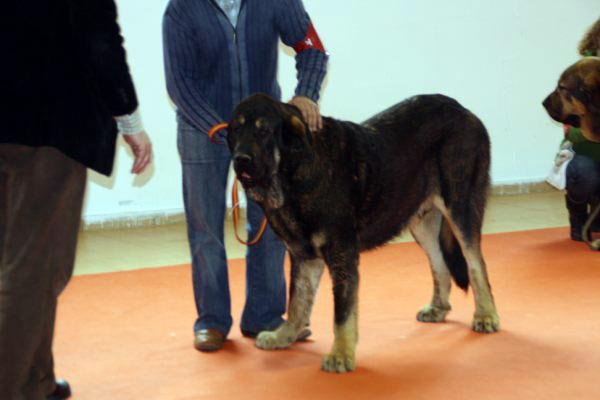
[{"x": 498, "y": 58}]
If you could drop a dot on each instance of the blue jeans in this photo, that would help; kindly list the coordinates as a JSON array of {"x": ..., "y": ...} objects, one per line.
[
  {"x": 205, "y": 167},
  {"x": 583, "y": 179}
]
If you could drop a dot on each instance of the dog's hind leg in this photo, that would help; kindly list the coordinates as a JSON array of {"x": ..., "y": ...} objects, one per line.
[
  {"x": 343, "y": 267},
  {"x": 425, "y": 228},
  {"x": 465, "y": 222},
  {"x": 304, "y": 283}
]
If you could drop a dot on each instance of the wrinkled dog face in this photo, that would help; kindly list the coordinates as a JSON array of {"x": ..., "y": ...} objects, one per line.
[
  {"x": 257, "y": 133},
  {"x": 577, "y": 94}
]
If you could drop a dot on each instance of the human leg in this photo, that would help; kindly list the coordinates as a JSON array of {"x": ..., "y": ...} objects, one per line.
[
  {"x": 583, "y": 183},
  {"x": 41, "y": 193},
  {"x": 265, "y": 277},
  {"x": 205, "y": 167}
]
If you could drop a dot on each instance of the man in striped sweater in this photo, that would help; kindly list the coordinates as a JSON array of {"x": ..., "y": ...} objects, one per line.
[{"x": 217, "y": 52}]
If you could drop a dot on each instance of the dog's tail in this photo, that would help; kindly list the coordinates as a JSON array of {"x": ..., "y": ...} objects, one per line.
[{"x": 453, "y": 256}]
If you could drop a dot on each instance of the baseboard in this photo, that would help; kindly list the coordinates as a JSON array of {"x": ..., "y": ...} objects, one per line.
[
  {"x": 141, "y": 220},
  {"x": 511, "y": 189},
  {"x": 131, "y": 221}
]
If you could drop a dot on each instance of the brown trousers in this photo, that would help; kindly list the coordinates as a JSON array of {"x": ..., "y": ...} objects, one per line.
[{"x": 41, "y": 195}]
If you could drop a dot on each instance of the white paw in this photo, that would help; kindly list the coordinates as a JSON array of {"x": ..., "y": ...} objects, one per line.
[
  {"x": 271, "y": 340},
  {"x": 431, "y": 313},
  {"x": 339, "y": 362},
  {"x": 486, "y": 323}
]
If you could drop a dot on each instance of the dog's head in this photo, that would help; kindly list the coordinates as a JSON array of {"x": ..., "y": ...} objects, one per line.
[
  {"x": 259, "y": 133},
  {"x": 576, "y": 99}
]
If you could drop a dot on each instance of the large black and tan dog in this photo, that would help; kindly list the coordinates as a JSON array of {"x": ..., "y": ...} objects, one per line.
[
  {"x": 576, "y": 99},
  {"x": 422, "y": 164}
]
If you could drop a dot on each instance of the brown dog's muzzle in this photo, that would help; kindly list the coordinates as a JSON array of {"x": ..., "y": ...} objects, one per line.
[
  {"x": 553, "y": 106},
  {"x": 556, "y": 110}
]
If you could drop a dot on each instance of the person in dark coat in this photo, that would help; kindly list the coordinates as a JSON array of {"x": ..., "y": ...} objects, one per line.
[{"x": 67, "y": 87}]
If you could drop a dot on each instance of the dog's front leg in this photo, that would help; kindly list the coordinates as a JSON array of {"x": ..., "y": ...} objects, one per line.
[
  {"x": 304, "y": 283},
  {"x": 343, "y": 266}
]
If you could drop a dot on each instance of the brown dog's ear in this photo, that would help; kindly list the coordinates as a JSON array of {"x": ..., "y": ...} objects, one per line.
[
  {"x": 590, "y": 71},
  {"x": 592, "y": 82},
  {"x": 297, "y": 126},
  {"x": 293, "y": 121},
  {"x": 295, "y": 135},
  {"x": 593, "y": 110}
]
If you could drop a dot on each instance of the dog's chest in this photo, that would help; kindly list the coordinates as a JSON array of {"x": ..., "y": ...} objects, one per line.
[{"x": 298, "y": 236}]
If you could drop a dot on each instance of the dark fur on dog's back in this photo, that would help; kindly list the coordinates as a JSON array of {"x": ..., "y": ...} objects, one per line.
[
  {"x": 392, "y": 161},
  {"x": 427, "y": 142},
  {"x": 423, "y": 163}
]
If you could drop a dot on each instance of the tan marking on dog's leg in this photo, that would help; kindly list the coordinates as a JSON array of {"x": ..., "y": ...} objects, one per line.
[
  {"x": 318, "y": 240},
  {"x": 485, "y": 318},
  {"x": 342, "y": 356},
  {"x": 299, "y": 310},
  {"x": 426, "y": 230}
]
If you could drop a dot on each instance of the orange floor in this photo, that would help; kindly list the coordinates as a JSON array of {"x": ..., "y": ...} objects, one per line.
[{"x": 128, "y": 335}]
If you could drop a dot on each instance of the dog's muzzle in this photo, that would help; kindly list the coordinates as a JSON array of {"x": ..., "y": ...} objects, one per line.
[
  {"x": 244, "y": 168},
  {"x": 553, "y": 106}
]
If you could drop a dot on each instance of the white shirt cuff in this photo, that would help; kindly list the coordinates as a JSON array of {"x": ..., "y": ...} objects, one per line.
[{"x": 130, "y": 124}]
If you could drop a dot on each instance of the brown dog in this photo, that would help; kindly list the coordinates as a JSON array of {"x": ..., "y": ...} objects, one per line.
[{"x": 576, "y": 99}]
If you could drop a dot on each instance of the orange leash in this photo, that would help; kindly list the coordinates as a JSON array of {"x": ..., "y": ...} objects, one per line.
[
  {"x": 213, "y": 131},
  {"x": 235, "y": 202}
]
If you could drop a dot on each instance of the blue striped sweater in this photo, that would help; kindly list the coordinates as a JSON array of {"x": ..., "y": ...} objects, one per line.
[{"x": 211, "y": 65}]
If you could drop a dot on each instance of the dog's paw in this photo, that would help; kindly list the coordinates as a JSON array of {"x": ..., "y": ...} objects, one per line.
[
  {"x": 431, "y": 313},
  {"x": 272, "y": 340},
  {"x": 487, "y": 323},
  {"x": 338, "y": 362}
]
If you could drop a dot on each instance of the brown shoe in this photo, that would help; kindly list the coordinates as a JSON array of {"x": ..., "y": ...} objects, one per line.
[{"x": 209, "y": 340}]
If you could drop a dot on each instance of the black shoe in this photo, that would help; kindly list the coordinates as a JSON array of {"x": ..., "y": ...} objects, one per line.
[
  {"x": 577, "y": 234},
  {"x": 303, "y": 335},
  {"x": 61, "y": 391},
  {"x": 578, "y": 215},
  {"x": 595, "y": 227},
  {"x": 249, "y": 334}
]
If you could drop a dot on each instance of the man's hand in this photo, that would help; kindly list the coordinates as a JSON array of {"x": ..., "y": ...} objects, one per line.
[
  {"x": 310, "y": 112},
  {"x": 142, "y": 150}
]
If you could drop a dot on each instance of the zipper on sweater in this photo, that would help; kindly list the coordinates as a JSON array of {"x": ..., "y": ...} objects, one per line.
[
  {"x": 239, "y": 63},
  {"x": 235, "y": 44}
]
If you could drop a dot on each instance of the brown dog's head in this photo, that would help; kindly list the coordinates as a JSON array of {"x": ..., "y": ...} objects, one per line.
[
  {"x": 576, "y": 99},
  {"x": 260, "y": 132}
]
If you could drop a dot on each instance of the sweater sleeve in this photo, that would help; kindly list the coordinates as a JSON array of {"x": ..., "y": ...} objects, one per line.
[
  {"x": 180, "y": 55},
  {"x": 296, "y": 30},
  {"x": 101, "y": 50}
]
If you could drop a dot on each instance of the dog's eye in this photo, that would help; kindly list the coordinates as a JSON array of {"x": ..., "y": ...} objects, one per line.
[{"x": 263, "y": 131}]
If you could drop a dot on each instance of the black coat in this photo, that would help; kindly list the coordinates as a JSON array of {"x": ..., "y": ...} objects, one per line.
[{"x": 64, "y": 76}]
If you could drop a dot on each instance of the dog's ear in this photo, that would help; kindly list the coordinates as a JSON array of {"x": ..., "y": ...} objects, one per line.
[
  {"x": 296, "y": 125},
  {"x": 295, "y": 134},
  {"x": 593, "y": 109},
  {"x": 592, "y": 83},
  {"x": 292, "y": 119}
]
